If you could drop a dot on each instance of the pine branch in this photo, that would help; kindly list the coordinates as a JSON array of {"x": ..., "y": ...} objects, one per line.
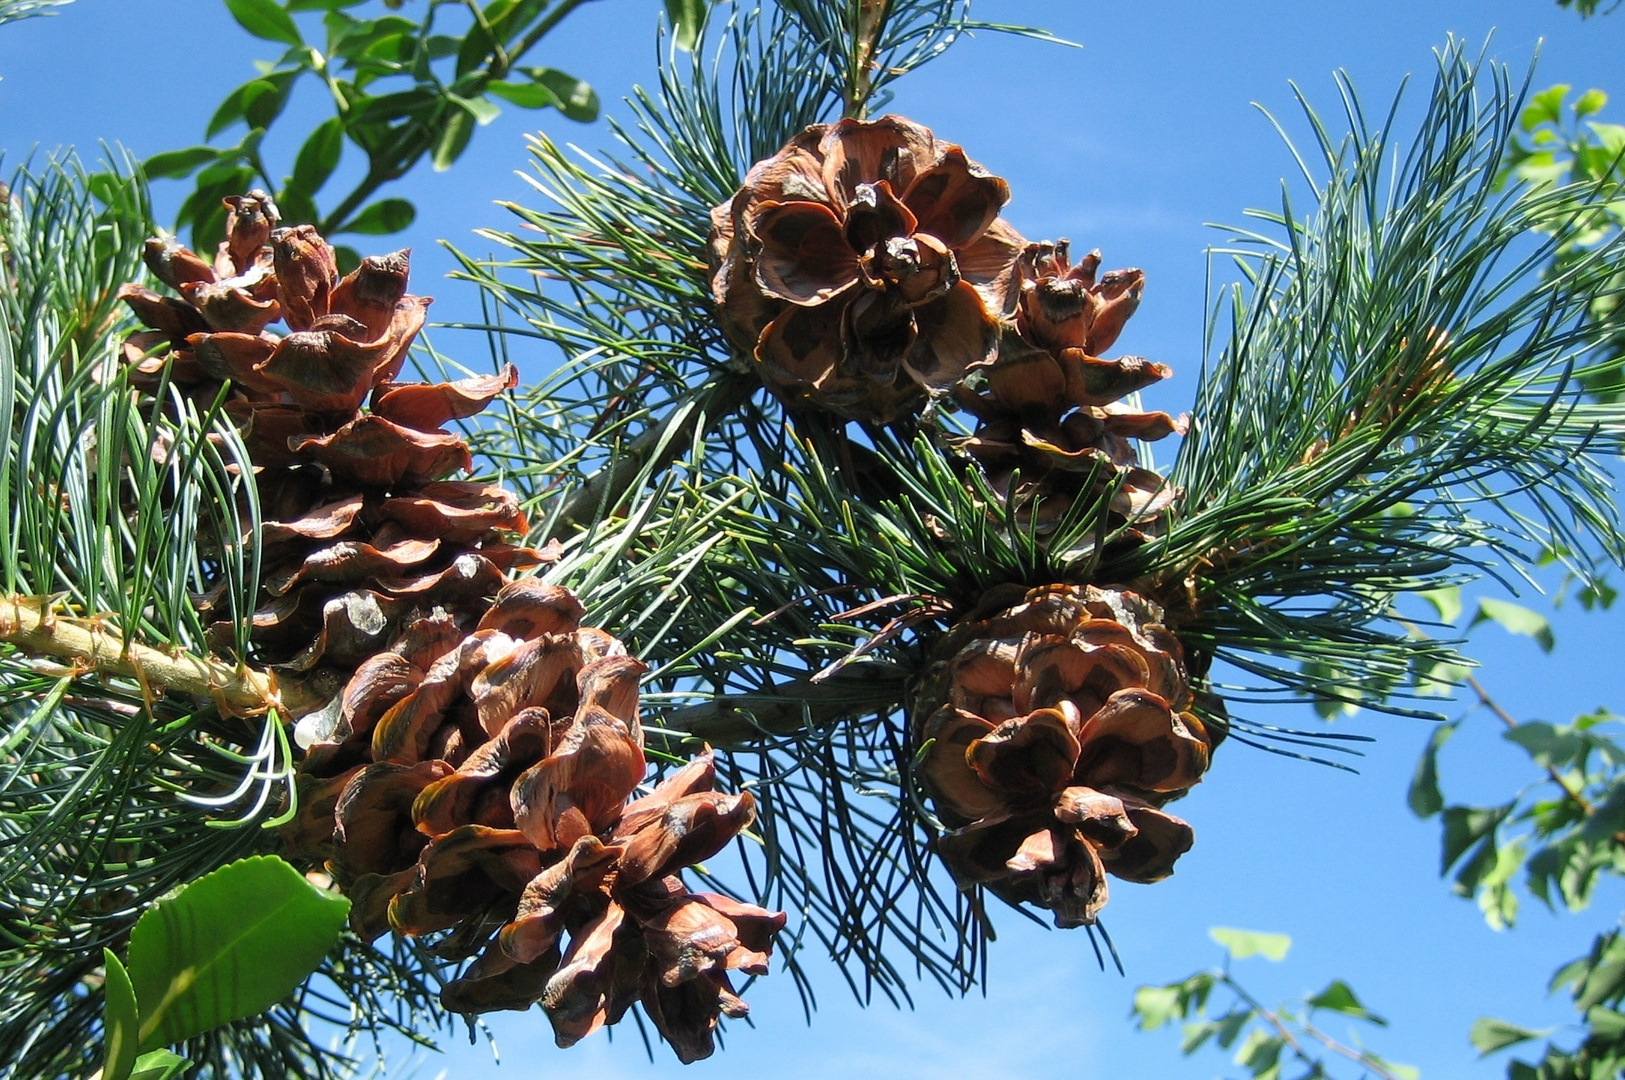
[
  {"x": 91, "y": 647},
  {"x": 1398, "y": 403},
  {"x": 787, "y": 708}
]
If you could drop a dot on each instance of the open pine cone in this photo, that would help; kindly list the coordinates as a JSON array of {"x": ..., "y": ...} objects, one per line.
[
  {"x": 1057, "y": 724},
  {"x": 1049, "y": 408},
  {"x": 471, "y": 772},
  {"x": 863, "y": 265}
]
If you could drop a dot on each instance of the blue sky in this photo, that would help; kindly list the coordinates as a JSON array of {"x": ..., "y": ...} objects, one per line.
[{"x": 1130, "y": 144}]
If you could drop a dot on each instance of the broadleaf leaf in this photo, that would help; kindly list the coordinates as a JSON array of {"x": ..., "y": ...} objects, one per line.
[
  {"x": 229, "y": 945},
  {"x": 1244, "y": 943},
  {"x": 121, "y": 1020},
  {"x": 265, "y": 19}
]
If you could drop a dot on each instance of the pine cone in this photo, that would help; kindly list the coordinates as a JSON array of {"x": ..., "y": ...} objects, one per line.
[
  {"x": 1049, "y": 405},
  {"x": 1056, "y": 729},
  {"x": 470, "y": 774},
  {"x": 865, "y": 264}
]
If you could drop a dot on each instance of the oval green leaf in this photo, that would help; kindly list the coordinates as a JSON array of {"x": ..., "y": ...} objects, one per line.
[
  {"x": 174, "y": 164},
  {"x": 121, "y": 1021},
  {"x": 1241, "y": 944},
  {"x": 382, "y": 217},
  {"x": 1516, "y": 619},
  {"x": 158, "y": 1065},
  {"x": 577, "y": 99},
  {"x": 479, "y": 108},
  {"x": 265, "y": 19},
  {"x": 229, "y": 945},
  {"x": 528, "y": 95},
  {"x": 1489, "y": 1035},
  {"x": 686, "y": 17},
  {"x": 319, "y": 156},
  {"x": 453, "y": 140}
]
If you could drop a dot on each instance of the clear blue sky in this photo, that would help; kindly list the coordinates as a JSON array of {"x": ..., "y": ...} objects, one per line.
[{"x": 1130, "y": 144}]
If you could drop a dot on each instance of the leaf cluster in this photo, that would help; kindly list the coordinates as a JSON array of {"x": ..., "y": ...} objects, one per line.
[
  {"x": 1561, "y": 833},
  {"x": 1566, "y": 145},
  {"x": 400, "y": 89},
  {"x": 1288, "y": 1041}
]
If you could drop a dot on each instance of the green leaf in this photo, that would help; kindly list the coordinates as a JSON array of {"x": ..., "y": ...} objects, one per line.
[
  {"x": 1607, "y": 818},
  {"x": 264, "y": 107},
  {"x": 381, "y": 218},
  {"x": 1157, "y": 1005},
  {"x": 1600, "y": 594},
  {"x": 174, "y": 164},
  {"x": 319, "y": 156},
  {"x": 1465, "y": 826},
  {"x": 1339, "y": 997},
  {"x": 1515, "y": 619},
  {"x": 121, "y": 1021},
  {"x": 1432, "y": 678},
  {"x": 229, "y": 945},
  {"x": 1445, "y": 601},
  {"x": 1231, "y": 1025},
  {"x": 1195, "y": 1035},
  {"x": 348, "y": 258},
  {"x": 530, "y": 95},
  {"x": 1603, "y": 980},
  {"x": 231, "y": 109},
  {"x": 1489, "y": 1035},
  {"x": 265, "y": 19},
  {"x": 453, "y": 140},
  {"x": 1259, "y": 1052},
  {"x": 1545, "y": 107},
  {"x": 297, "y": 207},
  {"x": 577, "y": 100},
  {"x": 480, "y": 109},
  {"x": 1424, "y": 798},
  {"x": 1606, "y": 1023},
  {"x": 158, "y": 1065},
  {"x": 1592, "y": 101},
  {"x": 686, "y": 17},
  {"x": 1244, "y": 943},
  {"x": 1547, "y": 746},
  {"x": 1400, "y": 1072}
]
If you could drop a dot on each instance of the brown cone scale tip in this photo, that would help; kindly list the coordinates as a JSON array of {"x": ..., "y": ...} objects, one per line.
[
  {"x": 476, "y": 771},
  {"x": 1056, "y": 725}
]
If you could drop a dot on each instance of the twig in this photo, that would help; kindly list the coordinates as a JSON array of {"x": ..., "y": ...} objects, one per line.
[
  {"x": 785, "y": 708},
  {"x": 1490, "y": 703},
  {"x": 1365, "y": 1061},
  {"x": 28, "y": 622}
]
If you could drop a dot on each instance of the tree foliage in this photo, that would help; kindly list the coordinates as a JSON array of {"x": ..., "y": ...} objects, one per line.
[
  {"x": 1393, "y": 403},
  {"x": 401, "y": 90}
]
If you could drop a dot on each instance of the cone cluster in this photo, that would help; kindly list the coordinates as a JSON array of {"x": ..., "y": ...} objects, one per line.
[
  {"x": 470, "y": 774},
  {"x": 865, "y": 268},
  {"x": 1056, "y": 727}
]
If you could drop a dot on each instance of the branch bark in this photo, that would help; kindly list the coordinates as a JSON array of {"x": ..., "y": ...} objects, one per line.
[
  {"x": 28, "y": 623},
  {"x": 787, "y": 708}
]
